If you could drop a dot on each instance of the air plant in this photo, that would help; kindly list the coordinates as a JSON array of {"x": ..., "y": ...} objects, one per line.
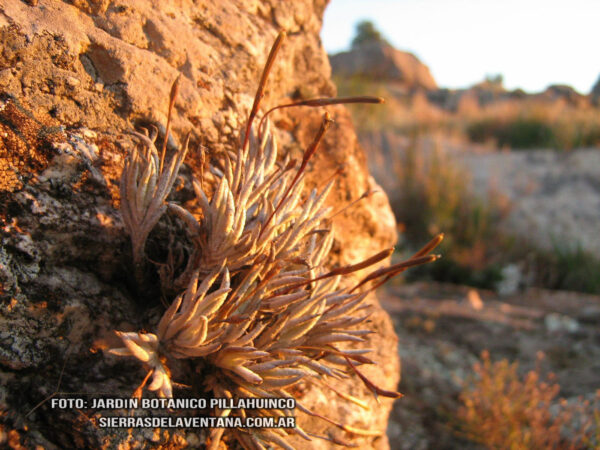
[
  {"x": 145, "y": 185},
  {"x": 261, "y": 312}
]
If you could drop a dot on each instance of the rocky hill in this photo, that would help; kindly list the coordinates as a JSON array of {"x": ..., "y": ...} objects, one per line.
[
  {"x": 404, "y": 74},
  {"x": 380, "y": 61}
]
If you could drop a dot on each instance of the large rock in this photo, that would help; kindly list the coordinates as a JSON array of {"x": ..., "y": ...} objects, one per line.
[
  {"x": 74, "y": 77},
  {"x": 380, "y": 61}
]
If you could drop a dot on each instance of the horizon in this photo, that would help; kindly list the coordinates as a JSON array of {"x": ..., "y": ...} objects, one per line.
[{"x": 533, "y": 53}]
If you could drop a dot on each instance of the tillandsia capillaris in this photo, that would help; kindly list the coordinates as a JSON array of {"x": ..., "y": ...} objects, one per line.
[
  {"x": 145, "y": 185},
  {"x": 261, "y": 313}
]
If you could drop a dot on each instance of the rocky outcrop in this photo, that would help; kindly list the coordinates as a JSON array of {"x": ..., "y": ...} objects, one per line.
[
  {"x": 75, "y": 77},
  {"x": 565, "y": 93},
  {"x": 485, "y": 95},
  {"x": 595, "y": 92},
  {"x": 380, "y": 61}
]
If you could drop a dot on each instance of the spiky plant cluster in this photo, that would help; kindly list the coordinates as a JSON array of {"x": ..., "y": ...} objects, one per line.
[
  {"x": 261, "y": 312},
  {"x": 145, "y": 185}
]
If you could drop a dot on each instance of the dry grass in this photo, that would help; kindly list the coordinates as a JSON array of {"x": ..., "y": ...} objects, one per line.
[
  {"x": 535, "y": 123},
  {"x": 501, "y": 409},
  {"x": 515, "y": 122},
  {"x": 429, "y": 193}
]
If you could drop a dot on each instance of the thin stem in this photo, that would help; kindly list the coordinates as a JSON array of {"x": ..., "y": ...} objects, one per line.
[
  {"x": 389, "y": 272},
  {"x": 437, "y": 239},
  {"x": 354, "y": 202},
  {"x": 323, "y": 101},
  {"x": 172, "y": 98},
  {"x": 262, "y": 84}
]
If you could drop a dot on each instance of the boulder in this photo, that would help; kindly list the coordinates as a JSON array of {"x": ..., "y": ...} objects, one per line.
[
  {"x": 75, "y": 78},
  {"x": 380, "y": 61}
]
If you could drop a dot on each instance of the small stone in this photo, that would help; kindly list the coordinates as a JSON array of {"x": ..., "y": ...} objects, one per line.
[
  {"x": 89, "y": 133},
  {"x": 511, "y": 279},
  {"x": 72, "y": 82},
  {"x": 474, "y": 300},
  {"x": 559, "y": 323},
  {"x": 193, "y": 440}
]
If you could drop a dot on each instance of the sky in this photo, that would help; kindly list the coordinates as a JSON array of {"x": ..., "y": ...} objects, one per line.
[{"x": 532, "y": 43}]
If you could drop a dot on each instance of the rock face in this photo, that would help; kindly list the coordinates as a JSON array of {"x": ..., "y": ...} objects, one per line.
[
  {"x": 380, "y": 61},
  {"x": 75, "y": 77}
]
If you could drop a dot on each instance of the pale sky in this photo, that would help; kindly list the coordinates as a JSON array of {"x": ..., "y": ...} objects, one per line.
[{"x": 532, "y": 43}]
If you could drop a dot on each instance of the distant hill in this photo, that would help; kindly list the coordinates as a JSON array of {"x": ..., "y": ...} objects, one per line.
[
  {"x": 378, "y": 61},
  {"x": 485, "y": 113}
]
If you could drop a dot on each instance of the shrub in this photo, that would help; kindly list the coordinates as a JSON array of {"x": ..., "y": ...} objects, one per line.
[
  {"x": 536, "y": 128},
  {"x": 432, "y": 194},
  {"x": 573, "y": 269},
  {"x": 366, "y": 32},
  {"x": 520, "y": 133},
  {"x": 500, "y": 409}
]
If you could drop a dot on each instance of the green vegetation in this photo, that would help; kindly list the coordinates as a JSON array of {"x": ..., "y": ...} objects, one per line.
[
  {"x": 366, "y": 32},
  {"x": 573, "y": 269},
  {"x": 433, "y": 196},
  {"x": 526, "y": 132},
  {"x": 519, "y": 133}
]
